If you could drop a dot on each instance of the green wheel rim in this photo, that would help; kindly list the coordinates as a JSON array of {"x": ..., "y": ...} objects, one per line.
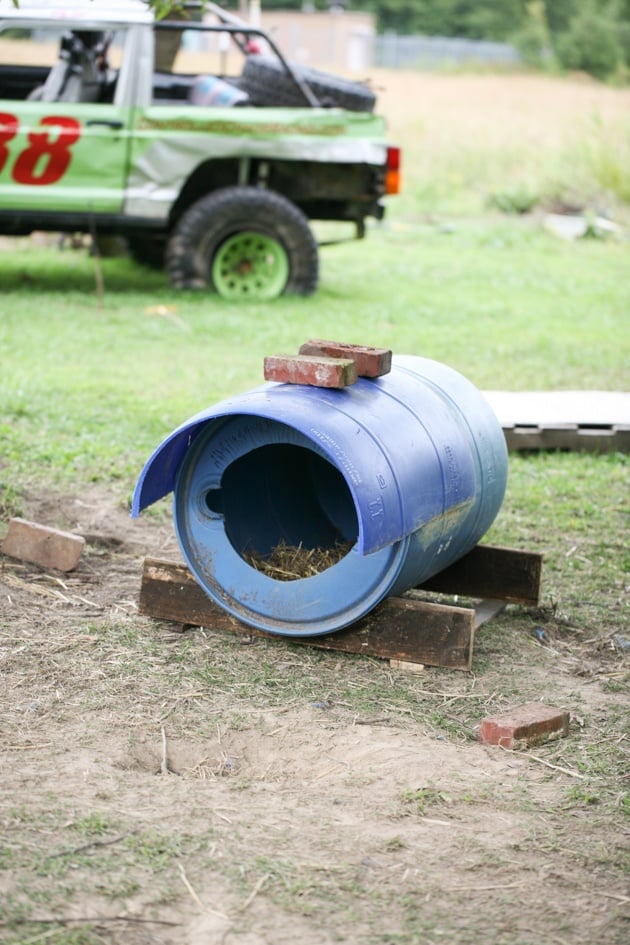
[{"x": 250, "y": 265}]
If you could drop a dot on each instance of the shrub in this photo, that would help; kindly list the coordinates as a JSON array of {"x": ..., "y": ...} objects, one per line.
[
  {"x": 517, "y": 199},
  {"x": 591, "y": 44}
]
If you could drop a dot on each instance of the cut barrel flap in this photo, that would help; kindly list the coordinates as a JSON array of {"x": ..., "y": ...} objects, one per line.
[{"x": 364, "y": 465}]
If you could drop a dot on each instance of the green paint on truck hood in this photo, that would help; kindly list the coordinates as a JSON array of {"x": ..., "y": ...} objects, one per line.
[{"x": 263, "y": 123}]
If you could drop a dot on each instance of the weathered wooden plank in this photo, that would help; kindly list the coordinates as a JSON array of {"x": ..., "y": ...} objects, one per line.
[
  {"x": 399, "y": 628},
  {"x": 613, "y": 439},
  {"x": 405, "y": 629},
  {"x": 491, "y": 571}
]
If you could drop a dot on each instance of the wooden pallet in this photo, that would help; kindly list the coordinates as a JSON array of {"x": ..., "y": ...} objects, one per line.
[
  {"x": 409, "y": 631},
  {"x": 586, "y": 421},
  {"x": 612, "y": 439}
]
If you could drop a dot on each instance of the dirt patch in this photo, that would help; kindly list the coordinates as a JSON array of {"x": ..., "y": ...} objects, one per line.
[{"x": 161, "y": 787}]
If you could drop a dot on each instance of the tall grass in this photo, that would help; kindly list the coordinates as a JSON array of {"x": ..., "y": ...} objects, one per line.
[{"x": 466, "y": 138}]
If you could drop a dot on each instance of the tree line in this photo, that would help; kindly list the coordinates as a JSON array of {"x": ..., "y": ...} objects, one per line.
[{"x": 588, "y": 35}]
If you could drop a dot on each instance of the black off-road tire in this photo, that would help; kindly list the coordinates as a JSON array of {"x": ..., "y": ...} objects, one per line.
[
  {"x": 267, "y": 82},
  {"x": 219, "y": 216}
]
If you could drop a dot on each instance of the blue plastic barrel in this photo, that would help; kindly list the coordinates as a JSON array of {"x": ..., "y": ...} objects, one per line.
[{"x": 409, "y": 469}]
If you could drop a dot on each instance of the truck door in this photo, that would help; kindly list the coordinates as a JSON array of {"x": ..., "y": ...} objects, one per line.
[{"x": 64, "y": 146}]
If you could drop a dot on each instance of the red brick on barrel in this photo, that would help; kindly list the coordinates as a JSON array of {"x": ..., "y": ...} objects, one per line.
[
  {"x": 370, "y": 362},
  {"x": 47, "y": 547},
  {"x": 524, "y": 726},
  {"x": 314, "y": 371}
]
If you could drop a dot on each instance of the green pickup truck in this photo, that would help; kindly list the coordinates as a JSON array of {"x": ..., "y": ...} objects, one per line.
[{"x": 213, "y": 170}]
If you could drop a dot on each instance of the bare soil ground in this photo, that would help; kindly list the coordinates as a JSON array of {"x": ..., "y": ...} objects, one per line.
[{"x": 160, "y": 787}]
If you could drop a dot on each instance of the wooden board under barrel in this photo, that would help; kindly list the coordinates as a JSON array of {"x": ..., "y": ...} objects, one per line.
[{"x": 400, "y": 628}]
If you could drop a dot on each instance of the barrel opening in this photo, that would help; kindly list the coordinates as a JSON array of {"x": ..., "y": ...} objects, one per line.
[
  {"x": 285, "y": 496},
  {"x": 214, "y": 501}
]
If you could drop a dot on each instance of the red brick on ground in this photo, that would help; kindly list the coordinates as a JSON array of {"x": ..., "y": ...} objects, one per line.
[
  {"x": 524, "y": 726},
  {"x": 47, "y": 547},
  {"x": 314, "y": 371},
  {"x": 370, "y": 362}
]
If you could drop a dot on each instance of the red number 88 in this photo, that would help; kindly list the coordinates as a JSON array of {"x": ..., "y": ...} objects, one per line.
[{"x": 56, "y": 150}]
